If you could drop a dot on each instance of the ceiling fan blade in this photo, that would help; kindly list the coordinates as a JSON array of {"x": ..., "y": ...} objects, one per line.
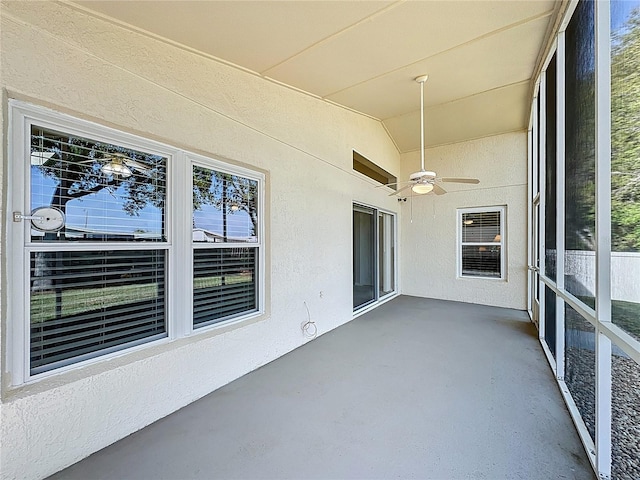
[
  {"x": 438, "y": 190},
  {"x": 392, "y": 184},
  {"x": 460, "y": 180},
  {"x": 145, "y": 169},
  {"x": 401, "y": 190}
]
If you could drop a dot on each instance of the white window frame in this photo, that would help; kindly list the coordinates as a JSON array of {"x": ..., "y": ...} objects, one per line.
[
  {"x": 178, "y": 243},
  {"x": 502, "y": 210},
  {"x": 210, "y": 163}
]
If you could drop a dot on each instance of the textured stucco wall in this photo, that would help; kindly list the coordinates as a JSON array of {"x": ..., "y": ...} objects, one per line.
[
  {"x": 428, "y": 248},
  {"x": 57, "y": 56}
]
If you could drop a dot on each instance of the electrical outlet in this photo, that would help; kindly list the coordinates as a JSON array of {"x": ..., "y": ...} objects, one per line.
[{"x": 321, "y": 293}]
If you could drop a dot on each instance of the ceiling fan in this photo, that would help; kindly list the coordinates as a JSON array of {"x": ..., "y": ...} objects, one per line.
[
  {"x": 115, "y": 164},
  {"x": 426, "y": 181},
  {"x": 121, "y": 165}
]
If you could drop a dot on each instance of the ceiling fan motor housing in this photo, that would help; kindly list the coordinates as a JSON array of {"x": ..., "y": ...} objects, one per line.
[{"x": 426, "y": 175}]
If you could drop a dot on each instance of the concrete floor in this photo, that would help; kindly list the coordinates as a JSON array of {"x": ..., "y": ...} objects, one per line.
[{"x": 417, "y": 388}]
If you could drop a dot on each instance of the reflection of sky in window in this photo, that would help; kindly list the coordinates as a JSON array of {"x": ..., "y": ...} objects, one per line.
[
  {"x": 97, "y": 212},
  {"x": 102, "y": 212},
  {"x": 211, "y": 189},
  {"x": 211, "y": 219},
  {"x": 620, "y": 13}
]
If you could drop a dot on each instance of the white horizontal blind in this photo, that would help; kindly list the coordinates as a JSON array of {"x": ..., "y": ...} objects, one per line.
[
  {"x": 224, "y": 283},
  {"x": 105, "y": 191},
  {"x": 87, "y": 299},
  {"x": 225, "y": 246},
  {"x": 99, "y": 236},
  {"x": 86, "y": 303},
  {"x": 481, "y": 243},
  {"x": 225, "y": 207}
]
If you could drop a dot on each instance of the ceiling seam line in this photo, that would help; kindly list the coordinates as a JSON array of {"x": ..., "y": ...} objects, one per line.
[
  {"x": 19, "y": 21},
  {"x": 521, "y": 82},
  {"x": 455, "y": 142},
  {"x": 154, "y": 36},
  {"x": 366, "y": 19},
  {"x": 445, "y": 51},
  {"x": 145, "y": 33},
  {"x": 318, "y": 97}
]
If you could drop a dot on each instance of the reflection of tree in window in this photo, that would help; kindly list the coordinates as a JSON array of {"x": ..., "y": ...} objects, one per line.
[
  {"x": 230, "y": 194},
  {"x": 76, "y": 166}
]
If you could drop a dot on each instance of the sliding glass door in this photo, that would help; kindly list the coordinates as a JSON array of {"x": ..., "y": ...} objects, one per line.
[
  {"x": 386, "y": 254},
  {"x": 373, "y": 255},
  {"x": 364, "y": 256}
]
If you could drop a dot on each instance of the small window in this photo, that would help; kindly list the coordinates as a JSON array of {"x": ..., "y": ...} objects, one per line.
[
  {"x": 225, "y": 246},
  {"x": 481, "y": 242},
  {"x": 373, "y": 171}
]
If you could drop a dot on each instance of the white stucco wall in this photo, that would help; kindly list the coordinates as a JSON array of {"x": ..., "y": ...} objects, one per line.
[
  {"x": 59, "y": 57},
  {"x": 428, "y": 247}
]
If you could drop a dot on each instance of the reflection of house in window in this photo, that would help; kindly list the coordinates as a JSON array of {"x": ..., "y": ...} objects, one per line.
[
  {"x": 202, "y": 235},
  {"x": 97, "y": 283}
]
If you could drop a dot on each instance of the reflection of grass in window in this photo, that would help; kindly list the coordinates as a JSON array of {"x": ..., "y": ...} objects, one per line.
[
  {"x": 216, "y": 281},
  {"x": 76, "y": 301}
]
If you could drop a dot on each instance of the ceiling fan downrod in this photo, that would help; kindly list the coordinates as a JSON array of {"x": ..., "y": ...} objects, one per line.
[{"x": 421, "y": 79}]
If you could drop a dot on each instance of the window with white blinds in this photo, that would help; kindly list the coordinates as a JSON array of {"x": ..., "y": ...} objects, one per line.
[
  {"x": 84, "y": 302},
  {"x": 119, "y": 241},
  {"x": 481, "y": 242},
  {"x": 90, "y": 300},
  {"x": 225, "y": 245},
  {"x": 224, "y": 283}
]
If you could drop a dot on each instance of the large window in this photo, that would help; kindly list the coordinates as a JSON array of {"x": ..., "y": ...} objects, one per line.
[
  {"x": 625, "y": 235},
  {"x": 86, "y": 296},
  {"x": 550, "y": 203},
  {"x": 481, "y": 242},
  {"x": 97, "y": 241}
]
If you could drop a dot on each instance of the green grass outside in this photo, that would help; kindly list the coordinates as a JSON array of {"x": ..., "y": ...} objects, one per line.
[
  {"x": 79, "y": 300},
  {"x": 207, "y": 282},
  {"x": 625, "y": 315}
]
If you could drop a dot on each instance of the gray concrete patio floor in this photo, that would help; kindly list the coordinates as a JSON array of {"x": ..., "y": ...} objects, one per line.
[{"x": 417, "y": 388}]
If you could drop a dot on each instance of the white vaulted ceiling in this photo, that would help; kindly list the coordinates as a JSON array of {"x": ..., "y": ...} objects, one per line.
[{"x": 480, "y": 55}]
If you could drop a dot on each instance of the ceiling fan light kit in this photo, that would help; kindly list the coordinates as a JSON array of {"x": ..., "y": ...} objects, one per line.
[
  {"x": 116, "y": 167},
  {"x": 422, "y": 188}
]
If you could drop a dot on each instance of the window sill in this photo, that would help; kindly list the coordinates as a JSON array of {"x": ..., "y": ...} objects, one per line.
[
  {"x": 470, "y": 277},
  {"x": 99, "y": 365}
]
